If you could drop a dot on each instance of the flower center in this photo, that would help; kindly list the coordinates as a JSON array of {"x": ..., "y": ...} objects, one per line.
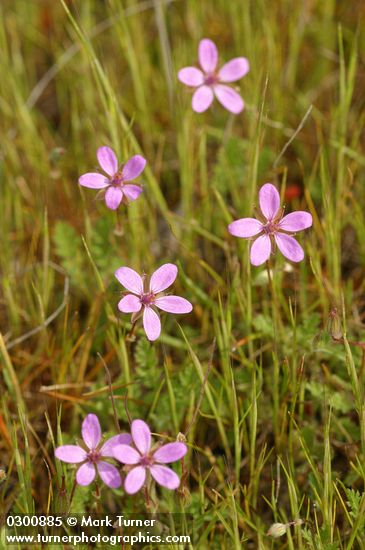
[
  {"x": 93, "y": 456},
  {"x": 117, "y": 179},
  {"x": 148, "y": 298},
  {"x": 270, "y": 228},
  {"x": 211, "y": 79},
  {"x": 146, "y": 461}
]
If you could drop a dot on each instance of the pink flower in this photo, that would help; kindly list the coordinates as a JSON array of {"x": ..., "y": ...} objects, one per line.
[
  {"x": 275, "y": 229},
  {"x": 209, "y": 81},
  {"x": 116, "y": 181},
  {"x": 145, "y": 459},
  {"x": 92, "y": 457},
  {"x": 147, "y": 297}
]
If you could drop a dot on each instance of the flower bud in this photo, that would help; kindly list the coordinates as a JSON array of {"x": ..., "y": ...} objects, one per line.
[
  {"x": 181, "y": 438},
  {"x": 277, "y": 530},
  {"x": 335, "y": 325}
]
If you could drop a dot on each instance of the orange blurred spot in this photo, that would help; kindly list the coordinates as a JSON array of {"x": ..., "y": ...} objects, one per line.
[
  {"x": 293, "y": 192},
  {"x": 5, "y": 433},
  {"x": 46, "y": 20}
]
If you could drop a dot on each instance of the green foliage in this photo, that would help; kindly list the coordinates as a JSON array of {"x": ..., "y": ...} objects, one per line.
[
  {"x": 80, "y": 501},
  {"x": 103, "y": 246},
  {"x": 320, "y": 540},
  {"x": 149, "y": 375},
  {"x": 263, "y": 325},
  {"x": 354, "y": 500},
  {"x": 228, "y": 165},
  {"x": 146, "y": 359},
  {"x": 68, "y": 247},
  {"x": 184, "y": 385},
  {"x": 339, "y": 401}
]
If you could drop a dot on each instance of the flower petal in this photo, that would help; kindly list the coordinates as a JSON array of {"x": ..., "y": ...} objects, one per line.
[
  {"x": 86, "y": 474},
  {"x": 130, "y": 304},
  {"x": 130, "y": 279},
  {"x": 289, "y": 247},
  {"x": 108, "y": 448},
  {"x": 151, "y": 324},
  {"x": 234, "y": 70},
  {"x": 170, "y": 452},
  {"x": 109, "y": 474},
  {"x": 174, "y": 304},
  {"x": 135, "y": 480},
  {"x": 191, "y": 76},
  {"x": 141, "y": 436},
  {"x": 113, "y": 197},
  {"x": 229, "y": 98},
  {"x": 126, "y": 454},
  {"x": 91, "y": 431},
  {"x": 296, "y": 221},
  {"x": 202, "y": 99},
  {"x": 245, "y": 227},
  {"x": 133, "y": 167},
  {"x": 269, "y": 199},
  {"x": 163, "y": 277},
  {"x": 107, "y": 160},
  {"x": 260, "y": 250},
  {"x": 165, "y": 476},
  {"x": 94, "y": 180},
  {"x": 132, "y": 192},
  {"x": 208, "y": 55},
  {"x": 71, "y": 454}
]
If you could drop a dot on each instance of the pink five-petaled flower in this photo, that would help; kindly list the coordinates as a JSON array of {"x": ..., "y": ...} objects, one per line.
[
  {"x": 146, "y": 297},
  {"x": 143, "y": 458},
  {"x": 273, "y": 229},
  {"x": 92, "y": 457},
  {"x": 116, "y": 181},
  {"x": 210, "y": 81}
]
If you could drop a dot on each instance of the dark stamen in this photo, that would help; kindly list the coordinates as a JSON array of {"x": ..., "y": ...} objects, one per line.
[
  {"x": 146, "y": 461},
  {"x": 270, "y": 228},
  {"x": 210, "y": 79},
  {"x": 117, "y": 179},
  {"x": 148, "y": 298},
  {"x": 93, "y": 456}
]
